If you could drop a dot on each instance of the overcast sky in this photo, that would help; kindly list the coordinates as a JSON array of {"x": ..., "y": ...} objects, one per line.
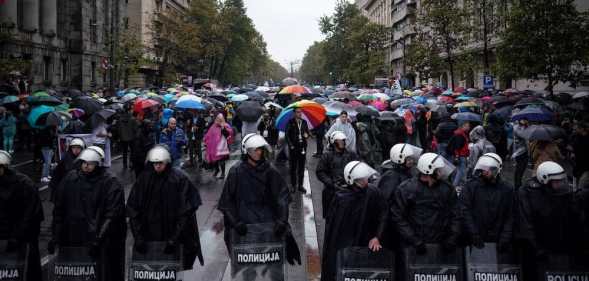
[{"x": 289, "y": 26}]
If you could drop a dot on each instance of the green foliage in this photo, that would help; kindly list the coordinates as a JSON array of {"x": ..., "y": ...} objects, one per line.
[
  {"x": 553, "y": 50},
  {"x": 212, "y": 39},
  {"x": 422, "y": 56},
  {"x": 352, "y": 51}
]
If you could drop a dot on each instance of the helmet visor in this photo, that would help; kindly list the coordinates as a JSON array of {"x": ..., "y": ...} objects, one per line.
[
  {"x": 447, "y": 169},
  {"x": 412, "y": 151}
]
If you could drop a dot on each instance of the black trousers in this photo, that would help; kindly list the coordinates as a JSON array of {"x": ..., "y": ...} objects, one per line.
[
  {"x": 125, "y": 149},
  {"x": 521, "y": 163},
  {"x": 296, "y": 161},
  {"x": 319, "y": 140}
]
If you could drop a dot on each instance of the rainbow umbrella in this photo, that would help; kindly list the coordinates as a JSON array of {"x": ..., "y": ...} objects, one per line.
[
  {"x": 295, "y": 89},
  {"x": 313, "y": 113}
]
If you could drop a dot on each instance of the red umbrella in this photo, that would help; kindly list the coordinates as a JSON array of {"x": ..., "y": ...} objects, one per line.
[{"x": 142, "y": 104}]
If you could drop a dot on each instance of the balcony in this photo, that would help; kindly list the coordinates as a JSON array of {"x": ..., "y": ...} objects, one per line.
[{"x": 402, "y": 12}]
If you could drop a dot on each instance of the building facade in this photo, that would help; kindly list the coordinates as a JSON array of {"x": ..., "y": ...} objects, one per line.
[
  {"x": 141, "y": 16},
  {"x": 380, "y": 12},
  {"x": 403, "y": 28},
  {"x": 64, "y": 43}
]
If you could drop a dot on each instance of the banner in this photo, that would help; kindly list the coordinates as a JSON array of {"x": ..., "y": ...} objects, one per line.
[
  {"x": 434, "y": 265},
  {"x": 154, "y": 264},
  {"x": 12, "y": 265},
  {"x": 63, "y": 140},
  {"x": 259, "y": 255},
  {"x": 361, "y": 264},
  {"x": 488, "y": 264},
  {"x": 74, "y": 264}
]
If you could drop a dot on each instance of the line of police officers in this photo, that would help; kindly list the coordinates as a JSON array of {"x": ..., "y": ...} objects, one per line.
[{"x": 408, "y": 207}]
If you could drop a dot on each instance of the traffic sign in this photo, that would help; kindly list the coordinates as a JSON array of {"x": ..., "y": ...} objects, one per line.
[{"x": 488, "y": 82}]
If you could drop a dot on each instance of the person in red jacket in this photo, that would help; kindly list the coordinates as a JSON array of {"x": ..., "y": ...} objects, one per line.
[{"x": 458, "y": 148}]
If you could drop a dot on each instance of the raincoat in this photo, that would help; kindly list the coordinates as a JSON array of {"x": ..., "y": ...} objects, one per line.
[
  {"x": 479, "y": 145},
  {"x": 213, "y": 138},
  {"x": 330, "y": 171},
  {"x": 348, "y": 130}
]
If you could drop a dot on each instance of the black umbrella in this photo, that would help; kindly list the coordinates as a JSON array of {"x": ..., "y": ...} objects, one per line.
[
  {"x": 543, "y": 132},
  {"x": 158, "y": 99},
  {"x": 218, "y": 97},
  {"x": 367, "y": 111},
  {"x": 214, "y": 102},
  {"x": 44, "y": 100},
  {"x": 54, "y": 118},
  {"x": 9, "y": 89},
  {"x": 255, "y": 96},
  {"x": 289, "y": 81},
  {"x": 105, "y": 113},
  {"x": 88, "y": 104},
  {"x": 250, "y": 111}
]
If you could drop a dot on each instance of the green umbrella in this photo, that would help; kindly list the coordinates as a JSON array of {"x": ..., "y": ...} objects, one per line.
[{"x": 36, "y": 113}]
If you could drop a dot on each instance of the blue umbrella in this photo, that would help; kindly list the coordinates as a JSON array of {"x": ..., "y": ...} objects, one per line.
[
  {"x": 532, "y": 113},
  {"x": 190, "y": 102},
  {"x": 36, "y": 113},
  {"x": 169, "y": 97},
  {"x": 467, "y": 116},
  {"x": 239, "y": 98},
  {"x": 10, "y": 99},
  {"x": 463, "y": 98}
]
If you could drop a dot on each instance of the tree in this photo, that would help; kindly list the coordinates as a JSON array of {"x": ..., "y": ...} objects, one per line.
[
  {"x": 423, "y": 57},
  {"x": 354, "y": 47},
  {"x": 554, "y": 50},
  {"x": 313, "y": 66},
  {"x": 445, "y": 23}
]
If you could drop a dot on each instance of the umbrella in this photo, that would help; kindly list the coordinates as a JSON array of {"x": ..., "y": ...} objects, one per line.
[
  {"x": 9, "y": 89},
  {"x": 88, "y": 104},
  {"x": 263, "y": 89},
  {"x": 467, "y": 116},
  {"x": 239, "y": 98},
  {"x": 335, "y": 108},
  {"x": 74, "y": 93},
  {"x": 190, "y": 102},
  {"x": 36, "y": 112},
  {"x": 529, "y": 101},
  {"x": 504, "y": 112},
  {"x": 537, "y": 114},
  {"x": 255, "y": 96},
  {"x": 463, "y": 98},
  {"x": 542, "y": 132},
  {"x": 128, "y": 97},
  {"x": 367, "y": 111},
  {"x": 172, "y": 90},
  {"x": 142, "y": 104},
  {"x": 250, "y": 111},
  {"x": 219, "y": 98},
  {"x": 295, "y": 89},
  {"x": 52, "y": 118},
  {"x": 40, "y": 94},
  {"x": 159, "y": 99},
  {"x": 289, "y": 81},
  {"x": 10, "y": 99},
  {"x": 401, "y": 102},
  {"x": 169, "y": 97},
  {"x": 105, "y": 113},
  {"x": 342, "y": 95},
  {"x": 580, "y": 95},
  {"x": 366, "y": 97},
  {"x": 208, "y": 102},
  {"x": 76, "y": 112},
  {"x": 445, "y": 99},
  {"x": 320, "y": 100},
  {"x": 382, "y": 96},
  {"x": 43, "y": 99},
  {"x": 379, "y": 105},
  {"x": 466, "y": 104},
  {"x": 313, "y": 112},
  {"x": 268, "y": 104}
]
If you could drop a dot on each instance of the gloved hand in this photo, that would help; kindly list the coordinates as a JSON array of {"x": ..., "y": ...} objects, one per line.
[
  {"x": 170, "y": 247},
  {"x": 421, "y": 249},
  {"x": 93, "y": 249},
  {"x": 140, "y": 246},
  {"x": 280, "y": 228},
  {"x": 241, "y": 228},
  {"x": 448, "y": 246},
  {"x": 51, "y": 247},
  {"x": 292, "y": 251},
  {"x": 478, "y": 242},
  {"x": 11, "y": 245}
]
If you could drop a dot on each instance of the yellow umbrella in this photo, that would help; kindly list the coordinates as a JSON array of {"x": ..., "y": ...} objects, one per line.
[{"x": 466, "y": 104}]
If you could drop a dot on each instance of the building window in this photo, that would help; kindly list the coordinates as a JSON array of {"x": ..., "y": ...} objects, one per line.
[
  {"x": 46, "y": 68},
  {"x": 63, "y": 69},
  {"x": 93, "y": 72}
]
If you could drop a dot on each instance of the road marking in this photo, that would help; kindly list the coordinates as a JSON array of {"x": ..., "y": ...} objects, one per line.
[{"x": 311, "y": 245}]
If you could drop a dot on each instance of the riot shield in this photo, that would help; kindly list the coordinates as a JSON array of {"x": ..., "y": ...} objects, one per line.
[
  {"x": 74, "y": 264},
  {"x": 360, "y": 263},
  {"x": 259, "y": 255},
  {"x": 489, "y": 264},
  {"x": 154, "y": 264},
  {"x": 435, "y": 265},
  {"x": 12, "y": 264},
  {"x": 564, "y": 268}
]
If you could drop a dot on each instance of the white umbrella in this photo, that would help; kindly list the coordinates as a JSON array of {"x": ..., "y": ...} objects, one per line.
[
  {"x": 581, "y": 95},
  {"x": 268, "y": 104}
]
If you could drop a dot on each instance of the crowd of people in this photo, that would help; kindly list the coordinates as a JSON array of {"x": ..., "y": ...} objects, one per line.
[{"x": 399, "y": 171}]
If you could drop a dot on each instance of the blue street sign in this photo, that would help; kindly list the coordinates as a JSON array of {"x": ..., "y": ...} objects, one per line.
[{"x": 488, "y": 82}]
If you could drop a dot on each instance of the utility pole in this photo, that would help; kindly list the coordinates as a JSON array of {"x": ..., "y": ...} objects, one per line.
[{"x": 293, "y": 64}]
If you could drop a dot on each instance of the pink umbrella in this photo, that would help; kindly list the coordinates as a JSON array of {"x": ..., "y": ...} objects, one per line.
[
  {"x": 355, "y": 103},
  {"x": 381, "y": 106}
]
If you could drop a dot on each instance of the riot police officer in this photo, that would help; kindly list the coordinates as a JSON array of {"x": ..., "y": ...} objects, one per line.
[
  {"x": 550, "y": 218},
  {"x": 255, "y": 192},
  {"x": 66, "y": 164},
  {"x": 330, "y": 169},
  {"x": 425, "y": 208},
  {"x": 89, "y": 212},
  {"x": 357, "y": 216},
  {"x": 162, "y": 208},
  {"x": 398, "y": 168},
  {"x": 487, "y": 203},
  {"x": 20, "y": 214}
]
